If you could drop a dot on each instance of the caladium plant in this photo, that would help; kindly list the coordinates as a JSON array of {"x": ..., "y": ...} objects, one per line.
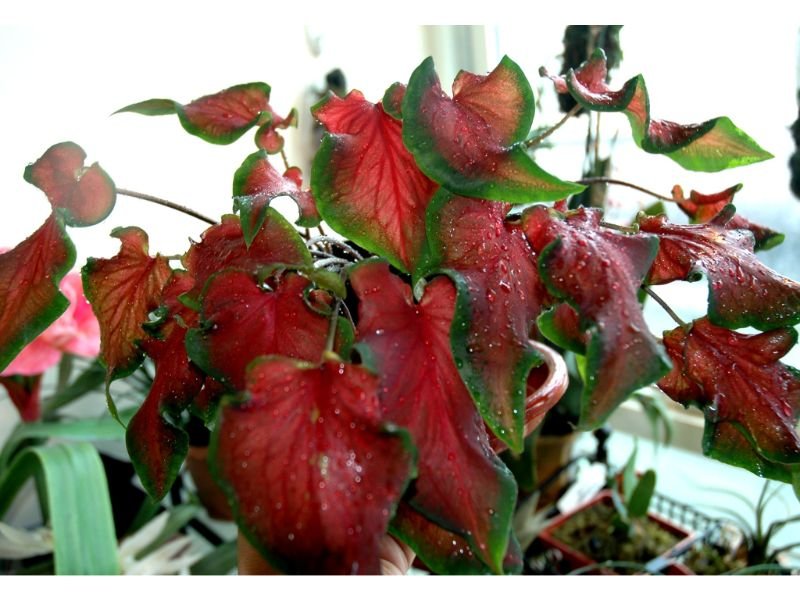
[{"x": 361, "y": 385}]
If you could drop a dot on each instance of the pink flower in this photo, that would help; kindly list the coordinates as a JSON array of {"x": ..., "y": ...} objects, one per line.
[{"x": 75, "y": 332}]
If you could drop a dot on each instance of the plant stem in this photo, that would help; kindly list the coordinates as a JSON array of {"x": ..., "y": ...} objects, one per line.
[
  {"x": 167, "y": 203},
  {"x": 616, "y": 227},
  {"x": 665, "y": 306},
  {"x": 597, "y": 140},
  {"x": 542, "y": 136},
  {"x": 333, "y": 241},
  {"x": 64, "y": 372},
  {"x": 285, "y": 160},
  {"x": 611, "y": 180},
  {"x": 333, "y": 260},
  {"x": 332, "y": 328}
]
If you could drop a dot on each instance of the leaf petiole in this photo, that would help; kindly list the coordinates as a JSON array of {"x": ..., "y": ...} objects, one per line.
[
  {"x": 665, "y": 306},
  {"x": 167, "y": 203},
  {"x": 611, "y": 180},
  {"x": 332, "y": 328}
]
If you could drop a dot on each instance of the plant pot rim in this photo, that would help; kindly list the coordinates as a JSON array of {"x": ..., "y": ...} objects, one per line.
[{"x": 578, "y": 559}]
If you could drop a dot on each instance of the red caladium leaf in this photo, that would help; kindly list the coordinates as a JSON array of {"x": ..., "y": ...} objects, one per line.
[
  {"x": 81, "y": 195},
  {"x": 257, "y": 182},
  {"x": 562, "y": 326},
  {"x": 546, "y": 385},
  {"x": 750, "y": 400},
  {"x": 367, "y": 185},
  {"x": 156, "y": 447},
  {"x": 462, "y": 485},
  {"x": 219, "y": 118},
  {"x": 393, "y": 100},
  {"x": 123, "y": 290},
  {"x": 313, "y": 473},
  {"x": 499, "y": 298},
  {"x": 443, "y": 551},
  {"x": 25, "y": 393},
  {"x": 223, "y": 246},
  {"x": 710, "y": 146},
  {"x": 473, "y": 143},
  {"x": 241, "y": 320},
  {"x": 599, "y": 271},
  {"x": 702, "y": 208},
  {"x": 267, "y": 136},
  {"x": 742, "y": 291},
  {"x": 204, "y": 404},
  {"x": 29, "y": 296}
]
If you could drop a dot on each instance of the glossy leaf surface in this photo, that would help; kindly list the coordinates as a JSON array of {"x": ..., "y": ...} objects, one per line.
[
  {"x": 81, "y": 195},
  {"x": 29, "y": 296},
  {"x": 366, "y": 183},
  {"x": 750, "y": 400},
  {"x": 219, "y": 118},
  {"x": 241, "y": 320},
  {"x": 499, "y": 298},
  {"x": 710, "y": 146},
  {"x": 462, "y": 485},
  {"x": 123, "y": 290},
  {"x": 443, "y": 551},
  {"x": 156, "y": 447},
  {"x": 742, "y": 291},
  {"x": 314, "y": 474},
  {"x": 472, "y": 143},
  {"x": 223, "y": 246},
  {"x": 702, "y": 208},
  {"x": 256, "y": 183},
  {"x": 598, "y": 272}
]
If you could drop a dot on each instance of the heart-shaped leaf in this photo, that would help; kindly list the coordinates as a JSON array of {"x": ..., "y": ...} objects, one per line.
[
  {"x": 123, "y": 290},
  {"x": 241, "y": 320},
  {"x": 472, "y": 143},
  {"x": 702, "y": 208},
  {"x": 157, "y": 447},
  {"x": 710, "y": 146},
  {"x": 219, "y": 118},
  {"x": 462, "y": 485},
  {"x": 223, "y": 246},
  {"x": 499, "y": 298},
  {"x": 313, "y": 472},
  {"x": 29, "y": 296},
  {"x": 742, "y": 291},
  {"x": 81, "y": 195},
  {"x": 256, "y": 183},
  {"x": 367, "y": 185},
  {"x": 598, "y": 271},
  {"x": 750, "y": 400},
  {"x": 267, "y": 136}
]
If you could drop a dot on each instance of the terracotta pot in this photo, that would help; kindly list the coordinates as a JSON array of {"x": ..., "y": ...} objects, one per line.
[
  {"x": 396, "y": 558},
  {"x": 210, "y": 493},
  {"x": 250, "y": 561},
  {"x": 575, "y": 559},
  {"x": 552, "y": 453}
]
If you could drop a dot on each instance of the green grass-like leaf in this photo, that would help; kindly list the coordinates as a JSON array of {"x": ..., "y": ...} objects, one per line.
[{"x": 76, "y": 502}]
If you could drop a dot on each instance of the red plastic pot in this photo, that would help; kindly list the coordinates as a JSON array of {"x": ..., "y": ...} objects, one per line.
[{"x": 573, "y": 559}]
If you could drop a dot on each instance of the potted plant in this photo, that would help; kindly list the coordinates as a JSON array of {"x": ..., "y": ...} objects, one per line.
[
  {"x": 744, "y": 545},
  {"x": 616, "y": 529},
  {"x": 362, "y": 386}
]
